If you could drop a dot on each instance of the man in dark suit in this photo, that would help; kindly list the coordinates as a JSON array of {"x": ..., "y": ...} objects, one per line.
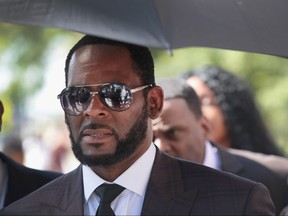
[
  {"x": 273, "y": 162},
  {"x": 23, "y": 180},
  {"x": 109, "y": 103},
  {"x": 16, "y": 181},
  {"x": 256, "y": 171},
  {"x": 181, "y": 131}
]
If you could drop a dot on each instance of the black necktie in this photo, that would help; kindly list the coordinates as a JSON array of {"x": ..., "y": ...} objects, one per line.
[{"x": 107, "y": 193}]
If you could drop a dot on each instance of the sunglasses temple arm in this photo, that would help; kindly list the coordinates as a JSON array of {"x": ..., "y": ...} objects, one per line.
[{"x": 141, "y": 88}]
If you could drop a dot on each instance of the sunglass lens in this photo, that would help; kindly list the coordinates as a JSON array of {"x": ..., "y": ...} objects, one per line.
[
  {"x": 117, "y": 97},
  {"x": 75, "y": 100},
  {"x": 82, "y": 96}
]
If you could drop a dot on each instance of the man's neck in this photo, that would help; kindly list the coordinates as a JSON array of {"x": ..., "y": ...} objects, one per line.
[{"x": 110, "y": 173}]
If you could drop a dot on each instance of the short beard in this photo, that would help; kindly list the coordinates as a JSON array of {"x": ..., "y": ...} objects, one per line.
[{"x": 125, "y": 147}]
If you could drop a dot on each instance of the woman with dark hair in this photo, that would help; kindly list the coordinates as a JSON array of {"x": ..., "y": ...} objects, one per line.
[{"x": 229, "y": 106}]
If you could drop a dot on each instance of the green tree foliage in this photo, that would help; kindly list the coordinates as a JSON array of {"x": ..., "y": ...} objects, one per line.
[{"x": 23, "y": 57}]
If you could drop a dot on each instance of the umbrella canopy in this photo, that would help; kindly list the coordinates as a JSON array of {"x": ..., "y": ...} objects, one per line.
[{"x": 247, "y": 25}]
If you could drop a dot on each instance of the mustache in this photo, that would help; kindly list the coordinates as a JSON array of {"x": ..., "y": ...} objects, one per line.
[{"x": 95, "y": 126}]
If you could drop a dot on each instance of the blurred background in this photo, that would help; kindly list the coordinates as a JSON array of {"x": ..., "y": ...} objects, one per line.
[{"x": 32, "y": 75}]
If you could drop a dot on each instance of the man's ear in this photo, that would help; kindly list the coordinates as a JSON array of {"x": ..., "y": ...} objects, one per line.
[
  {"x": 1, "y": 113},
  {"x": 205, "y": 126},
  {"x": 155, "y": 102}
]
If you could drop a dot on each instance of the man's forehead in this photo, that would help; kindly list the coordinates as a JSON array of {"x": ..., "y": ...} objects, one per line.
[
  {"x": 86, "y": 53},
  {"x": 162, "y": 123},
  {"x": 161, "y": 126},
  {"x": 108, "y": 61},
  {"x": 83, "y": 55}
]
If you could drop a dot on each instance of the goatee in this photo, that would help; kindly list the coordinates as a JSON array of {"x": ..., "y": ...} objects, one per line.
[{"x": 125, "y": 147}]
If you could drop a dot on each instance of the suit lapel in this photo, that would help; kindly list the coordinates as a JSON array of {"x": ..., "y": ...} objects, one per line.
[
  {"x": 67, "y": 202},
  {"x": 229, "y": 163},
  {"x": 165, "y": 191}
]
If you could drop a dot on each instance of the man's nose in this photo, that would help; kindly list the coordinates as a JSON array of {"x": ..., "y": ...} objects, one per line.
[{"x": 96, "y": 108}]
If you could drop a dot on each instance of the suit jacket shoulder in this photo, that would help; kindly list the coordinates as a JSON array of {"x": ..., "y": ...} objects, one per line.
[
  {"x": 23, "y": 180},
  {"x": 63, "y": 196},
  {"x": 270, "y": 161},
  {"x": 175, "y": 187},
  {"x": 179, "y": 187},
  {"x": 255, "y": 171}
]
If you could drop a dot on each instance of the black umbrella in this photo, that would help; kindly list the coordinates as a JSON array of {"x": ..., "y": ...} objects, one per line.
[{"x": 247, "y": 25}]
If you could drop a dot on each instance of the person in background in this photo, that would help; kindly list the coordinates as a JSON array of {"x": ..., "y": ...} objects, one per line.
[
  {"x": 12, "y": 147},
  {"x": 16, "y": 180},
  {"x": 231, "y": 110},
  {"x": 234, "y": 118},
  {"x": 109, "y": 102},
  {"x": 181, "y": 131}
]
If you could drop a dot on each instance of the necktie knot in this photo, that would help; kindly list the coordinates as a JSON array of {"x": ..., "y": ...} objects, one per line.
[{"x": 107, "y": 193}]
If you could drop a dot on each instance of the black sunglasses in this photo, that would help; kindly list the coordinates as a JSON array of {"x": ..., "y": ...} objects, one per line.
[{"x": 116, "y": 96}]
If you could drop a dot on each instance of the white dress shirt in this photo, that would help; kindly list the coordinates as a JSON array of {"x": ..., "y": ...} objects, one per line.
[
  {"x": 134, "y": 179},
  {"x": 3, "y": 182},
  {"x": 212, "y": 158}
]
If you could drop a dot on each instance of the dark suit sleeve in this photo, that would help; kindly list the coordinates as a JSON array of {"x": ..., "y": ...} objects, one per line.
[
  {"x": 23, "y": 180},
  {"x": 259, "y": 201}
]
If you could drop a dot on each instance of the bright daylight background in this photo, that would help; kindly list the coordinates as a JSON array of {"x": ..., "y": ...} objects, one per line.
[
  {"x": 43, "y": 129},
  {"x": 32, "y": 75}
]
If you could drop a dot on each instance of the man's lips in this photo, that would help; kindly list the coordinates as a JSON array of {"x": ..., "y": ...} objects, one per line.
[{"x": 96, "y": 135}]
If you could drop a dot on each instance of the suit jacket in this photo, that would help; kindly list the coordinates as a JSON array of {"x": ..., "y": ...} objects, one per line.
[
  {"x": 275, "y": 163},
  {"x": 23, "y": 180},
  {"x": 252, "y": 170},
  {"x": 175, "y": 187},
  {"x": 284, "y": 212}
]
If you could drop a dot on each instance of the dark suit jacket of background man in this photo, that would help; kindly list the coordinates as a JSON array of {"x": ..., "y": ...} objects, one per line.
[
  {"x": 276, "y": 163},
  {"x": 175, "y": 187},
  {"x": 253, "y": 170},
  {"x": 23, "y": 180}
]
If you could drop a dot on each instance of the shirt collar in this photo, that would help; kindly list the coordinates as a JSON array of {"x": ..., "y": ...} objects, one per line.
[
  {"x": 212, "y": 157},
  {"x": 141, "y": 168}
]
